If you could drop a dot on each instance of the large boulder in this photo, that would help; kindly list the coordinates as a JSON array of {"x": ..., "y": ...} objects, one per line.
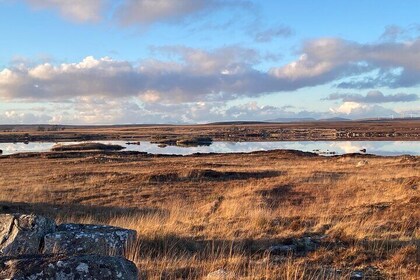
[
  {"x": 73, "y": 239},
  {"x": 23, "y": 234},
  {"x": 87, "y": 267}
]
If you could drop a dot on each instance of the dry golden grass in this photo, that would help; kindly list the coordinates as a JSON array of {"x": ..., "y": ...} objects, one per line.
[{"x": 201, "y": 213}]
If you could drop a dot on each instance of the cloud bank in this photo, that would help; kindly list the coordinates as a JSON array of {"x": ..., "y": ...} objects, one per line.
[
  {"x": 75, "y": 10},
  {"x": 373, "y": 97},
  {"x": 222, "y": 74},
  {"x": 147, "y": 12},
  {"x": 397, "y": 64},
  {"x": 192, "y": 85},
  {"x": 135, "y": 12},
  {"x": 102, "y": 110}
]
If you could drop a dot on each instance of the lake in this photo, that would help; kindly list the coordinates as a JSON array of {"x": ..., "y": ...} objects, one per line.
[{"x": 385, "y": 148}]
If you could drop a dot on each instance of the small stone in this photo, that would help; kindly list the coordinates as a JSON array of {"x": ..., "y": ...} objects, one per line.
[
  {"x": 221, "y": 274},
  {"x": 355, "y": 275},
  {"x": 83, "y": 268},
  {"x": 281, "y": 249},
  {"x": 362, "y": 163}
]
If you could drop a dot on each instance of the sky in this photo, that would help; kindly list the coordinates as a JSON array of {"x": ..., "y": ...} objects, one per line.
[{"x": 200, "y": 61}]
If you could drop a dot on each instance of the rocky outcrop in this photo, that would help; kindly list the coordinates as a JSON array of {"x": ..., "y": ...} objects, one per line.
[
  {"x": 33, "y": 247},
  {"x": 88, "y": 239},
  {"x": 23, "y": 234},
  {"x": 87, "y": 267}
]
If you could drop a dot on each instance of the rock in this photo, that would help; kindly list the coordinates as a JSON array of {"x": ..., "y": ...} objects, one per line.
[
  {"x": 87, "y": 267},
  {"x": 281, "y": 249},
  {"x": 297, "y": 245},
  {"x": 22, "y": 234},
  {"x": 355, "y": 275},
  {"x": 362, "y": 163},
  {"x": 72, "y": 239},
  {"x": 306, "y": 244},
  {"x": 221, "y": 274}
]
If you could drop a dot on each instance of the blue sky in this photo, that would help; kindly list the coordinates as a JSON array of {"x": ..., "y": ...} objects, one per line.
[{"x": 189, "y": 61}]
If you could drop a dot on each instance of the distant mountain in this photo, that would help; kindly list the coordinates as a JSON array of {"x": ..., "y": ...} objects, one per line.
[
  {"x": 336, "y": 119},
  {"x": 237, "y": 122},
  {"x": 292, "y": 120},
  {"x": 390, "y": 119}
]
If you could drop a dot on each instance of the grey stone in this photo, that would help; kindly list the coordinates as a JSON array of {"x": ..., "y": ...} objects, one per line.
[
  {"x": 281, "y": 249},
  {"x": 23, "y": 234},
  {"x": 306, "y": 244},
  {"x": 73, "y": 239},
  {"x": 354, "y": 275},
  {"x": 221, "y": 274},
  {"x": 60, "y": 267},
  {"x": 297, "y": 245}
]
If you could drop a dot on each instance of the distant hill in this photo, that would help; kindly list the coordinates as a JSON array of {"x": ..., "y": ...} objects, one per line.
[
  {"x": 292, "y": 120},
  {"x": 337, "y": 119},
  {"x": 237, "y": 122}
]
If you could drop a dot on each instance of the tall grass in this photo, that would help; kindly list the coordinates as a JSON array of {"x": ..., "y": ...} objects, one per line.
[{"x": 365, "y": 218}]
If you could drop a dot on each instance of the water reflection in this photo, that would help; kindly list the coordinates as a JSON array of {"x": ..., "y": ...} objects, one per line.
[{"x": 337, "y": 147}]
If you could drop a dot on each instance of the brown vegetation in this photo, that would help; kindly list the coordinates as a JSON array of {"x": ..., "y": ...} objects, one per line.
[
  {"x": 200, "y": 213},
  {"x": 407, "y": 129},
  {"x": 87, "y": 147}
]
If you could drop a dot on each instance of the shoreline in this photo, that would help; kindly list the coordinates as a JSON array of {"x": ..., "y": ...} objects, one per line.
[{"x": 408, "y": 130}]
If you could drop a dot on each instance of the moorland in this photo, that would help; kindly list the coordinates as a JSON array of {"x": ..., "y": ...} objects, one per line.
[
  {"x": 397, "y": 129},
  {"x": 263, "y": 215}
]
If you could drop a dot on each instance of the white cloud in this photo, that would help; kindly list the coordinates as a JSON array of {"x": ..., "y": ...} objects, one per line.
[
  {"x": 76, "y": 10},
  {"x": 150, "y": 11},
  {"x": 199, "y": 75},
  {"x": 19, "y": 117},
  {"x": 330, "y": 59},
  {"x": 221, "y": 74},
  {"x": 128, "y": 110},
  {"x": 373, "y": 96},
  {"x": 134, "y": 12},
  {"x": 354, "y": 110},
  {"x": 348, "y": 107}
]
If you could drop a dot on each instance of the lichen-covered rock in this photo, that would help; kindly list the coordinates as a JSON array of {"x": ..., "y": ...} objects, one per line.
[
  {"x": 52, "y": 267},
  {"x": 22, "y": 234},
  {"x": 73, "y": 239}
]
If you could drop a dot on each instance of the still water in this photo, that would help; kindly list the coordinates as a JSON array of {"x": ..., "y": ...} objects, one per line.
[{"x": 386, "y": 148}]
